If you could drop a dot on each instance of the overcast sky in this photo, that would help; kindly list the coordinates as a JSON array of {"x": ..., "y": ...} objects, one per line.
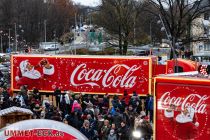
[{"x": 88, "y": 2}]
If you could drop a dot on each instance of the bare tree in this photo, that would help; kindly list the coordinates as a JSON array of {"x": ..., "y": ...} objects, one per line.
[
  {"x": 118, "y": 16},
  {"x": 31, "y": 14},
  {"x": 60, "y": 17},
  {"x": 178, "y": 16}
]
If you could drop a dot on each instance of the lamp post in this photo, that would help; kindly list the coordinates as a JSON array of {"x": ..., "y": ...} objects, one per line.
[
  {"x": 45, "y": 34},
  {"x": 1, "y": 41},
  {"x": 75, "y": 50},
  {"x": 134, "y": 31},
  {"x": 15, "y": 37},
  {"x": 171, "y": 41},
  {"x": 9, "y": 41},
  {"x": 150, "y": 31},
  {"x": 55, "y": 39}
]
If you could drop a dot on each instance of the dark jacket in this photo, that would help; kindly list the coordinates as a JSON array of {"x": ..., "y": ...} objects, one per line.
[
  {"x": 123, "y": 133},
  {"x": 150, "y": 104},
  {"x": 57, "y": 92},
  {"x": 146, "y": 129},
  {"x": 89, "y": 133}
]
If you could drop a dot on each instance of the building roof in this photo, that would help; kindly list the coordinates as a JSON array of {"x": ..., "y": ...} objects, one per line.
[{"x": 15, "y": 109}]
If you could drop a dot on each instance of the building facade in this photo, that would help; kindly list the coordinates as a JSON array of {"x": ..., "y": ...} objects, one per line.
[{"x": 200, "y": 32}]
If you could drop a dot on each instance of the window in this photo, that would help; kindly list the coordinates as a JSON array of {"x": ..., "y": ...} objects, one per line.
[
  {"x": 200, "y": 47},
  {"x": 207, "y": 46},
  {"x": 206, "y": 16}
]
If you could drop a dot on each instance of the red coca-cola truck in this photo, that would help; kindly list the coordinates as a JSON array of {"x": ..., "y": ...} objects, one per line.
[
  {"x": 88, "y": 74},
  {"x": 182, "y": 107}
]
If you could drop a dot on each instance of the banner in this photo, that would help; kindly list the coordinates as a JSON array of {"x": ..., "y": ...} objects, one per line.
[
  {"x": 82, "y": 74},
  {"x": 182, "y": 110},
  {"x": 40, "y": 129}
]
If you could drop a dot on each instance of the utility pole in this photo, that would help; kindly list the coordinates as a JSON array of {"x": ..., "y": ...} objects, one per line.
[
  {"x": 134, "y": 32},
  {"x": 80, "y": 21},
  {"x": 9, "y": 41},
  {"x": 90, "y": 19},
  {"x": 75, "y": 50},
  {"x": 1, "y": 41},
  {"x": 15, "y": 37},
  {"x": 55, "y": 40},
  {"x": 1, "y": 45},
  {"x": 150, "y": 30},
  {"x": 45, "y": 34}
]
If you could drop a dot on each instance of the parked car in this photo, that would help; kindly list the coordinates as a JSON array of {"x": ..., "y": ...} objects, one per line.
[
  {"x": 49, "y": 46},
  {"x": 3, "y": 68},
  {"x": 2, "y": 54},
  {"x": 142, "y": 53},
  {"x": 6, "y": 64}
]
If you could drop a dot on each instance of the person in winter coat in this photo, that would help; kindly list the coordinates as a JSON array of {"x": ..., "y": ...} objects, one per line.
[
  {"x": 36, "y": 93},
  {"x": 37, "y": 111},
  {"x": 150, "y": 108},
  {"x": 112, "y": 135},
  {"x": 134, "y": 99},
  {"x": 146, "y": 104},
  {"x": 74, "y": 119},
  {"x": 4, "y": 98},
  {"x": 76, "y": 106},
  {"x": 117, "y": 118},
  {"x": 86, "y": 130},
  {"x": 57, "y": 94},
  {"x": 45, "y": 101},
  {"x": 105, "y": 130},
  {"x": 123, "y": 131},
  {"x": 65, "y": 102},
  {"x": 142, "y": 124},
  {"x": 20, "y": 99},
  {"x": 125, "y": 99}
]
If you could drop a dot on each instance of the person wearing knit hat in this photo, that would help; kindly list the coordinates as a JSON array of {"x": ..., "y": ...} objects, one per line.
[{"x": 28, "y": 75}]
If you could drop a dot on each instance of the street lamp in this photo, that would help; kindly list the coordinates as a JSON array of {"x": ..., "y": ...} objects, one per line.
[
  {"x": 46, "y": 2},
  {"x": 17, "y": 28},
  {"x": 15, "y": 37},
  {"x": 45, "y": 34},
  {"x": 55, "y": 39},
  {"x": 171, "y": 40},
  {"x": 9, "y": 41},
  {"x": 1, "y": 41},
  {"x": 75, "y": 50}
]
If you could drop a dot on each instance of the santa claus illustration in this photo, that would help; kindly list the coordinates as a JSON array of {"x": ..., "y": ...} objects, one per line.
[
  {"x": 184, "y": 125},
  {"x": 30, "y": 75}
]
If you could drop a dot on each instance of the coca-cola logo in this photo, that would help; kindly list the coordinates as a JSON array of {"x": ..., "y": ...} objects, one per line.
[
  {"x": 196, "y": 101},
  {"x": 119, "y": 75}
]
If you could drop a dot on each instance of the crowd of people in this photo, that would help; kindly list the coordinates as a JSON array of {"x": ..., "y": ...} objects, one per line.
[{"x": 98, "y": 117}]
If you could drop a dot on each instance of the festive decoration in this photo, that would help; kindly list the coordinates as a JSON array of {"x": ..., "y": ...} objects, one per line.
[
  {"x": 176, "y": 98},
  {"x": 204, "y": 70}
]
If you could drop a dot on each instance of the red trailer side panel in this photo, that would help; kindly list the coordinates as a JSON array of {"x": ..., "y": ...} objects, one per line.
[
  {"x": 189, "y": 118},
  {"x": 89, "y": 74}
]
